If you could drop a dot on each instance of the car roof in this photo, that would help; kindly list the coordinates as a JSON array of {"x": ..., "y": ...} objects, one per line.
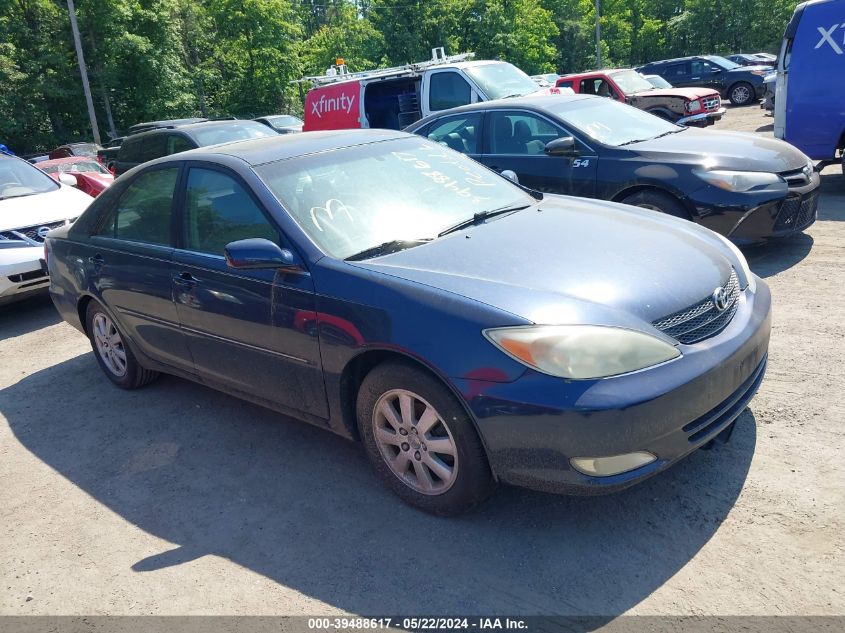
[
  {"x": 68, "y": 159},
  {"x": 603, "y": 71},
  {"x": 269, "y": 149},
  {"x": 203, "y": 125}
]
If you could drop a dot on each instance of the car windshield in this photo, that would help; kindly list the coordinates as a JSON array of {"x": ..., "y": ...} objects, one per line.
[
  {"x": 501, "y": 79},
  {"x": 88, "y": 166},
  {"x": 631, "y": 81},
  {"x": 610, "y": 122},
  {"x": 19, "y": 178},
  {"x": 657, "y": 81},
  {"x": 284, "y": 120},
  {"x": 85, "y": 149},
  {"x": 214, "y": 134},
  {"x": 353, "y": 199},
  {"x": 721, "y": 61}
]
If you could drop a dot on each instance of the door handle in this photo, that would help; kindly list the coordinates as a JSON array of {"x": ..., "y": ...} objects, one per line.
[
  {"x": 96, "y": 260},
  {"x": 186, "y": 280}
]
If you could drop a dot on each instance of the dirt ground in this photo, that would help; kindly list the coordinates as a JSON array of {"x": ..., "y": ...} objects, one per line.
[{"x": 176, "y": 499}]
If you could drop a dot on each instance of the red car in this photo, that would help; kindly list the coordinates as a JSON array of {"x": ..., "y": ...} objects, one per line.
[
  {"x": 91, "y": 176},
  {"x": 684, "y": 106}
]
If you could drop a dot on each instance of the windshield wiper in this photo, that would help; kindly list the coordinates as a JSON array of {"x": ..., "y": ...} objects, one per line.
[
  {"x": 481, "y": 215},
  {"x": 393, "y": 246}
]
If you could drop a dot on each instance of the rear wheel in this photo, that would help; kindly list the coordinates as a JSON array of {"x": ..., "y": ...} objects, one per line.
[
  {"x": 658, "y": 201},
  {"x": 741, "y": 94},
  {"x": 111, "y": 351},
  {"x": 420, "y": 441}
]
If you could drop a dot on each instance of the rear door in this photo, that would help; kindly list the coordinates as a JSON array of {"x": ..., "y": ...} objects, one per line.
[
  {"x": 516, "y": 140},
  {"x": 678, "y": 74},
  {"x": 248, "y": 329},
  {"x": 128, "y": 264}
]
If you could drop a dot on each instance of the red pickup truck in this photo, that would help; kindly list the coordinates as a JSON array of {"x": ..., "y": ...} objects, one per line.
[{"x": 685, "y": 106}]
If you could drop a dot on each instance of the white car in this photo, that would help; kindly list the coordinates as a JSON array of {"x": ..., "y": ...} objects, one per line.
[{"x": 31, "y": 203}]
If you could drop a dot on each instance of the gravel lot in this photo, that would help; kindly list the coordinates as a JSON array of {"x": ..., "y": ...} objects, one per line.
[{"x": 179, "y": 500}]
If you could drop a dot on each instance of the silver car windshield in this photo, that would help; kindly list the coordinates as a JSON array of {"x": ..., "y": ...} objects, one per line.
[
  {"x": 502, "y": 79},
  {"x": 19, "y": 178},
  {"x": 355, "y": 198},
  {"x": 610, "y": 122}
]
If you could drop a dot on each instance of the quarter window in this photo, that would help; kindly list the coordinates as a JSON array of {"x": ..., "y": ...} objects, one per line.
[
  {"x": 460, "y": 133},
  {"x": 448, "y": 90},
  {"x": 143, "y": 211},
  {"x": 218, "y": 210}
]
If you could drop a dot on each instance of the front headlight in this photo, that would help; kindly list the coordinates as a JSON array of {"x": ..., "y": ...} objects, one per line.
[
  {"x": 738, "y": 180},
  {"x": 743, "y": 263},
  {"x": 694, "y": 106},
  {"x": 581, "y": 351}
]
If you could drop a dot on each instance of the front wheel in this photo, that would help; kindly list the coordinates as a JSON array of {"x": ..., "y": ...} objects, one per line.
[
  {"x": 420, "y": 441},
  {"x": 658, "y": 201},
  {"x": 111, "y": 351},
  {"x": 742, "y": 94}
]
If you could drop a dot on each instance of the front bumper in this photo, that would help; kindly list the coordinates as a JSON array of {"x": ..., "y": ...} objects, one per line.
[
  {"x": 533, "y": 426},
  {"x": 702, "y": 119},
  {"x": 21, "y": 273}
]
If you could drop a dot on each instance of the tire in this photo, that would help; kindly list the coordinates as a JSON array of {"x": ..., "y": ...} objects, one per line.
[
  {"x": 445, "y": 480},
  {"x": 658, "y": 201},
  {"x": 113, "y": 356},
  {"x": 741, "y": 94}
]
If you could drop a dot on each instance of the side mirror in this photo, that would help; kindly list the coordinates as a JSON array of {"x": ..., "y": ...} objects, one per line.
[
  {"x": 256, "y": 253},
  {"x": 563, "y": 146},
  {"x": 715, "y": 71},
  {"x": 510, "y": 175},
  {"x": 68, "y": 179}
]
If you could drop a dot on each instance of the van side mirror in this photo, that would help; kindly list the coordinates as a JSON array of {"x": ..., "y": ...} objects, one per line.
[
  {"x": 563, "y": 146},
  {"x": 255, "y": 253},
  {"x": 68, "y": 179}
]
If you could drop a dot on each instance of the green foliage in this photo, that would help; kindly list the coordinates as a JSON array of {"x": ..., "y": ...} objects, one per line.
[{"x": 151, "y": 59}]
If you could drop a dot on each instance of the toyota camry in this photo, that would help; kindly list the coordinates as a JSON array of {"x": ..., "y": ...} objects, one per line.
[{"x": 393, "y": 291}]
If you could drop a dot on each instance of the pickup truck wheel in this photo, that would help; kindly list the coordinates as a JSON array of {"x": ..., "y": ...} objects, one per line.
[
  {"x": 741, "y": 94},
  {"x": 420, "y": 440},
  {"x": 658, "y": 201}
]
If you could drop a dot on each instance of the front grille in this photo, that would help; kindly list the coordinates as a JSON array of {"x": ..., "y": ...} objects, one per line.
[
  {"x": 702, "y": 320},
  {"x": 797, "y": 213},
  {"x": 30, "y": 232},
  {"x": 712, "y": 103},
  {"x": 796, "y": 177}
]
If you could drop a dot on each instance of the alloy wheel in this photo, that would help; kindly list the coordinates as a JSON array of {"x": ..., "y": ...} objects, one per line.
[
  {"x": 415, "y": 442},
  {"x": 109, "y": 344},
  {"x": 740, "y": 94}
]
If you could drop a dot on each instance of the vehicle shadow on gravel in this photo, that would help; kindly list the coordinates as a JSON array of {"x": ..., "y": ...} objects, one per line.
[
  {"x": 776, "y": 256},
  {"x": 300, "y": 506},
  {"x": 27, "y": 316}
]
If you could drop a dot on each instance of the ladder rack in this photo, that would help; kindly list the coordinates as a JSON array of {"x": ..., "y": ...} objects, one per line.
[{"x": 340, "y": 72}]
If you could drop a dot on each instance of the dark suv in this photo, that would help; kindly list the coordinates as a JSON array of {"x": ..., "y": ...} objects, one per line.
[
  {"x": 144, "y": 146},
  {"x": 741, "y": 84}
]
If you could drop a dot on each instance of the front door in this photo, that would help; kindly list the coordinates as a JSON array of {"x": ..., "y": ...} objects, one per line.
[
  {"x": 516, "y": 140},
  {"x": 244, "y": 327}
]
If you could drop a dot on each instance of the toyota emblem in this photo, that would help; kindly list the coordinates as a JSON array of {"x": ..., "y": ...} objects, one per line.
[{"x": 720, "y": 299}]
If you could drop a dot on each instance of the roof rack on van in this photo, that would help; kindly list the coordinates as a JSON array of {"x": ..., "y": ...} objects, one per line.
[{"x": 339, "y": 71}]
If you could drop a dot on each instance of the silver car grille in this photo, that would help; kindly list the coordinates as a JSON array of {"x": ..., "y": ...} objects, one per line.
[
  {"x": 30, "y": 234},
  {"x": 712, "y": 103},
  {"x": 703, "y": 319}
]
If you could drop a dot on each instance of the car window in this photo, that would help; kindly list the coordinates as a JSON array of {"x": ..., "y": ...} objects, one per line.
[
  {"x": 458, "y": 132},
  {"x": 448, "y": 90},
  {"x": 564, "y": 84},
  {"x": 676, "y": 70},
  {"x": 205, "y": 135},
  {"x": 700, "y": 68},
  {"x": 178, "y": 143},
  {"x": 218, "y": 210},
  {"x": 154, "y": 146},
  {"x": 596, "y": 86},
  {"x": 520, "y": 133},
  {"x": 19, "y": 178},
  {"x": 143, "y": 211}
]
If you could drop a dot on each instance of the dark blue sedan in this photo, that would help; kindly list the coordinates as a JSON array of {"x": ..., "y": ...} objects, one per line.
[{"x": 394, "y": 291}]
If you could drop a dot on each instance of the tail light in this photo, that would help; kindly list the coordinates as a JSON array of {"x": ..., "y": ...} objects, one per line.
[{"x": 46, "y": 253}]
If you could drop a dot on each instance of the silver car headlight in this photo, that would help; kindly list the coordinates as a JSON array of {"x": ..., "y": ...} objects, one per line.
[
  {"x": 738, "y": 181},
  {"x": 743, "y": 263},
  {"x": 581, "y": 351}
]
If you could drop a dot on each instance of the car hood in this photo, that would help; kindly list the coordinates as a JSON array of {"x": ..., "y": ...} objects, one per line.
[
  {"x": 688, "y": 93},
  {"x": 568, "y": 260},
  {"x": 746, "y": 69},
  {"x": 723, "y": 150},
  {"x": 42, "y": 208}
]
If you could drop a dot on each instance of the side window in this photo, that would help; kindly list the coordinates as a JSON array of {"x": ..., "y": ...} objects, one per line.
[
  {"x": 448, "y": 90},
  {"x": 520, "y": 133},
  {"x": 218, "y": 210},
  {"x": 154, "y": 146},
  {"x": 698, "y": 67},
  {"x": 460, "y": 133},
  {"x": 178, "y": 143},
  {"x": 143, "y": 211},
  {"x": 677, "y": 71},
  {"x": 564, "y": 84}
]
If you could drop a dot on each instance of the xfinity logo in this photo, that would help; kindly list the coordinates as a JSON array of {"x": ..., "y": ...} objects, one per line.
[
  {"x": 827, "y": 38},
  {"x": 343, "y": 103}
]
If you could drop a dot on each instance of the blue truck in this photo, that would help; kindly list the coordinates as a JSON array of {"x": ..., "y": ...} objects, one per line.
[{"x": 810, "y": 91}]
